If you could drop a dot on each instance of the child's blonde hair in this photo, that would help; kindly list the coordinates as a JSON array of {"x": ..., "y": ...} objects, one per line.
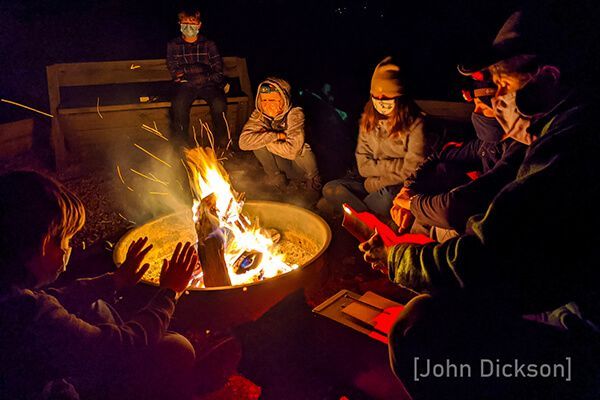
[{"x": 32, "y": 208}]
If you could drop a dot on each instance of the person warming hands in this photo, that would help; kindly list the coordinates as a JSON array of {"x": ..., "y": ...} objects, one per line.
[{"x": 71, "y": 335}]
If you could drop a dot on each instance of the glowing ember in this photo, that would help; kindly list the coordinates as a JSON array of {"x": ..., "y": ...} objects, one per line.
[{"x": 250, "y": 252}]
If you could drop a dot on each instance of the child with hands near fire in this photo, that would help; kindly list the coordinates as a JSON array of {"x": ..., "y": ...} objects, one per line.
[{"x": 72, "y": 332}]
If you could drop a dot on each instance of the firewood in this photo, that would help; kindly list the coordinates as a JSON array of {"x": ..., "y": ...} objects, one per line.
[
  {"x": 208, "y": 221},
  {"x": 212, "y": 258}
]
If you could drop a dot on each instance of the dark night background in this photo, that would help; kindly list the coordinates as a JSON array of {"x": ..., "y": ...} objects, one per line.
[{"x": 308, "y": 42}]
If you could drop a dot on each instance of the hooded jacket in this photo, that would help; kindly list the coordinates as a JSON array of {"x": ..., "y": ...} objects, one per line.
[
  {"x": 387, "y": 160},
  {"x": 535, "y": 247},
  {"x": 262, "y": 131}
]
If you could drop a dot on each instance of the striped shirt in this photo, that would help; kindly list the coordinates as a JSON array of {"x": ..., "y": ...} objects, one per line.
[{"x": 198, "y": 62}]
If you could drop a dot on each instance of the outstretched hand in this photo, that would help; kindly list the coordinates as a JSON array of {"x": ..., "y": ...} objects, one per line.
[
  {"x": 375, "y": 252},
  {"x": 177, "y": 272},
  {"x": 130, "y": 272}
]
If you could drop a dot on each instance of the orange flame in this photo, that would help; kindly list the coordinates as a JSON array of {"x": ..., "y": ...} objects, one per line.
[{"x": 208, "y": 177}]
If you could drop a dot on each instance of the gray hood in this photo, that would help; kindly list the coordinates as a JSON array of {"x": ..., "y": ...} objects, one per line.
[{"x": 284, "y": 88}]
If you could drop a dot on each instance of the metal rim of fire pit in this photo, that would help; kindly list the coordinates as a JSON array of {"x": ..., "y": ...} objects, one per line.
[{"x": 122, "y": 245}]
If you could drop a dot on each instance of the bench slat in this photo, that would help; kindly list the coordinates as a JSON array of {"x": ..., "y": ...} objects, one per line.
[
  {"x": 108, "y": 72},
  {"x": 140, "y": 106}
]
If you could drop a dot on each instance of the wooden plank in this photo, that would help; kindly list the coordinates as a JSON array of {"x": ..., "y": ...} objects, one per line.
[
  {"x": 454, "y": 111},
  {"x": 134, "y": 118},
  {"x": 107, "y": 72},
  {"x": 15, "y": 147},
  {"x": 57, "y": 140},
  {"x": 140, "y": 106},
  {"x": 16, "y": 137},
  {"x": 114, "y": 72},
  {"x": 16, "y": 129},
  {"x": 245, "y": 84}
]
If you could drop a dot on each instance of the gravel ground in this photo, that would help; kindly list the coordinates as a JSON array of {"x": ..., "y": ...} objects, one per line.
[
  {"x": 103, "y": 222},
  {"x": 345, "y": 268}
]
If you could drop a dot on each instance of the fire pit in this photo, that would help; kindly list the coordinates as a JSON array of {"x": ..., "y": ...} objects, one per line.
[
  {"x": 252, "y": 254},
  {"x": 222, "y": 306}
]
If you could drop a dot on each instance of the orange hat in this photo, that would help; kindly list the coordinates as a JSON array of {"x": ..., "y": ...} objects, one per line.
[{"x": 386, "y": 80}]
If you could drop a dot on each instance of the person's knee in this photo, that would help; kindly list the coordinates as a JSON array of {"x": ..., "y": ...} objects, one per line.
[
  {"x": 379, "y": 203},
  {"x": 404, "y": 333},
  {"x": 414, "y": 313},
  {"x": 330, "y": 190},
  {"x": 175, "y": 350}
]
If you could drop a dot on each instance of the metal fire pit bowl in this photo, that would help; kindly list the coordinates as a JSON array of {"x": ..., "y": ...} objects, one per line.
[{"x": 227, "y": 306}]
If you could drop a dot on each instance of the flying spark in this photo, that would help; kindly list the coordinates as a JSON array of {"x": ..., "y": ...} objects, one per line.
[
  {"x": 152, "y": 155},
  {"x": 26, "y": 107}
]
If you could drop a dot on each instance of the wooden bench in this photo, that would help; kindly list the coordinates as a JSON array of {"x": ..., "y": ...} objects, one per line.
[{"x": 97, "y": 104}]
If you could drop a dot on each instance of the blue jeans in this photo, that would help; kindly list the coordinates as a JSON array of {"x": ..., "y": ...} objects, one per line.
[
  {"x": 184, "y": 96},
  {"x": 303, "y": 167},
  {"x": 353, "y": 192}
]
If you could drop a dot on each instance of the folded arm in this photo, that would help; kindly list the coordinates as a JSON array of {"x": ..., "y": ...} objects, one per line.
[
  {"x": 255, "y": 134},
  {"x": 291, "y": 145}
]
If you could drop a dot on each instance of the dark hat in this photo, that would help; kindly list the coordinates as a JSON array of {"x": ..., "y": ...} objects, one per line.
[{"x": 524, "y": 32}]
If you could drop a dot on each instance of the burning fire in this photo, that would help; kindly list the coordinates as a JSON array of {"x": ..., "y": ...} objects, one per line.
[{"x": 250, "y": 251}]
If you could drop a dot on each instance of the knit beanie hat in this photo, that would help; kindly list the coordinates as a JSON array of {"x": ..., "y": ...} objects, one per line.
[{"x": 386, "y": 80}]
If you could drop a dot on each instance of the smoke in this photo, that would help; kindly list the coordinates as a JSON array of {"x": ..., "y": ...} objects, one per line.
[
  {"x": 247, "y": 176},
  {"x": 149, "y": 177},
  {"x": 153, "y": 180}
]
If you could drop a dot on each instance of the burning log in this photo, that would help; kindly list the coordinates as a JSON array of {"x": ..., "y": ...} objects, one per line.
[
  {"x": 212, "y": 258},
  {"x": 211, "y": 245},
  {"x": 233, "y": 249},
  {"x": 274, "y": 234}
]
